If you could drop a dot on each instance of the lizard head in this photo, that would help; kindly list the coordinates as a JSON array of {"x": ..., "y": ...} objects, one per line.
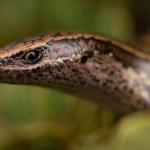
[
  {"x": 36, "y": 61},
  {"x": 23, "y": 65}
]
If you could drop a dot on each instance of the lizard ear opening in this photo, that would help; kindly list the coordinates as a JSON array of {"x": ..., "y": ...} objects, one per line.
[{"x": 84, "y": 59}]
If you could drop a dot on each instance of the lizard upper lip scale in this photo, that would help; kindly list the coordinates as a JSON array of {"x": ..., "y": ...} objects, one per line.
[{"x": 94, "y": 67}]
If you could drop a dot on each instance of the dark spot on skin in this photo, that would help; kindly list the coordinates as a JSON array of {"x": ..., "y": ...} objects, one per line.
[
  {"x": 104, "y": 84},
  {"x": 109, "y": 81},
  {"x": 34, "y": 70},
  {"x": 10, "y": 60},
  {"x": 90, "y": 75},
  {"x": 36, "y": 78},
  {"x": 57, "y": 77},
  {"x": 131, "y": 91},
  {"x": 104, "y": 69},
  {"x": 96, "y": 68},
  {"x": 6, "y": 71},
  {"x": 95, "y": 79},
  {"x": 66, "y": 62},
  {"x": 82, "y": 82},
  {"x": 18, "y": 76},
  {"x": 74, "y": 70},
  {"x": 44, "y": 47},
  {"x": 80, "y": 77},
  {"x": 50, "y": 71},
  {"x": 125, "y": 87},
  {"x": 56, "y": 34},
  {"x": 60, "y": 66},
  {"x": 84, "y": 59},
  {"x": 116, "y": 88},
  {"x": 65, "y": 78},
  {"x": 90, "y": 54},
  {"x": 139, "y": 102},
  {"x": 29, "y": 75},
  {"x": 38, "y": 69},
  {"x": 111, "y": 73},
  {"x": 40, "y": 74}
]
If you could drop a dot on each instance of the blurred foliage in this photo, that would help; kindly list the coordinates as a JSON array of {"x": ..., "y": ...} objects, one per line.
[{"x": 37, "y": 118}]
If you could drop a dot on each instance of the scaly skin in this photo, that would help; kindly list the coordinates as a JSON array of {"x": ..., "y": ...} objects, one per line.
[{"x": 94, "y": 67}]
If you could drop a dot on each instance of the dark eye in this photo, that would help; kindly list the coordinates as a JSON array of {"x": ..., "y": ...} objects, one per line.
[{"x": 32, "y": 56}]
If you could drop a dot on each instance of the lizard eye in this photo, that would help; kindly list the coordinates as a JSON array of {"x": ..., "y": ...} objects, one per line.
[{"x": 32, "y": 56}]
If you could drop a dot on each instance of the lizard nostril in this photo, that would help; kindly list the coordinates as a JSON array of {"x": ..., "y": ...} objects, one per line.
[{"x": 9, "y": 60}]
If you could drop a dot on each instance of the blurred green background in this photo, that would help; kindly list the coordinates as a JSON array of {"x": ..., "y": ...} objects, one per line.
[{"x": 42, "y": 119}]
